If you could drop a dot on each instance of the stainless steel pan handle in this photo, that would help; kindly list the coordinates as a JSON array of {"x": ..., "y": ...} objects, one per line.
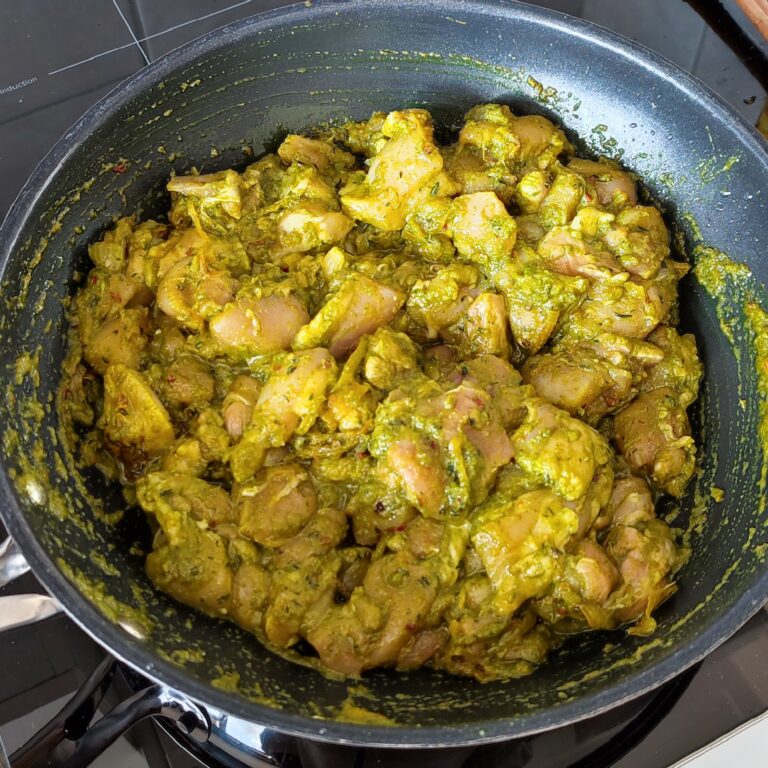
[
  {"x": 18, "y": 610},
  {"x": 70, "y": 740},
  {"x": 12, "y": 562}
]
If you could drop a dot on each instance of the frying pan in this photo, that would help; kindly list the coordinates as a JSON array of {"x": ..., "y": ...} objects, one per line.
[{"x": 225, "y": 98}]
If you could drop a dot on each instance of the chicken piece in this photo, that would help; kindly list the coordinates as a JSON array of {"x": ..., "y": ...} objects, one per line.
[
  {"x": 501, "y": 381},
  {"x": 374, "y": 626},
  {"x": 166, "y": 493},
  {"x": 421, "y": 648},
  {"x": 288, "y": 403},
  {"x": 360, "y": 306},
  {"x": 133, "y": 416},
  {"x": 481, "y": 228},
  {"x": 304, "y": 216},
  {"x": 301, "y": 184},
  {"x": 437, "y": 193},
  {"x": 264, "y": 180},
  {"x": 483, "y": 329},
  {"x": 168, "y": 340},
  {"x": 654, "y": 437},
  {"x": 662, "y": 288},
  {"x": 442, "y": 449},
  {"x": 190, "y": 293},
  {"x": 591, "y": 379},
  {"x": 594, "y": 503},
  {"x": 537, "y": 299},
  {"x": 406, "y": 163},
  {"x": 558, "y": 450},
  {"x": 239, "y": 403},
  {"x": 205, "y": 252},
  {"x": 531, "y": 191},
  {"x": 309, "y": 226},
  {"x": 594, "y": 223},
  {"x": 192, "y": 568},
  {"x": 467, "y": 412},
  {"x": 276, "y": 504},
  {"x": 680, "y": 369},
  {"x": 520, "y": 542},
  {"x": 363, "y": 138},
  {"x": 119, "y": 339},
  {"x": 617, "y": 305},
  {"x": 406, "y": 602},
  {"x": 595, "y": 571},
  {"x": 305, "y": 573},
  {"x": 329, "y": 160},
  {"x": 379, "y": 623},
  {"x": 439, "y": 302},
  {"x": 541, "y": 142},
  {"x": 188, "y": 381},
  {"x": 357, "y": 560},
  {"x": 250, "y": 592},
  {"x": 631, "y": 502},
  {"x": 419, "y": 469},
  {"x": 565, "y": 250},
  {"x": 425, "y": 227},
  {"x": 212, "y": 191},
  {"x": 574, "y": 379},
  {"x": 513, "y": 650},
  {"x": 375, "y": 508},
  {"x": 640, "y": 240},
  {"x": 612, "y": 187},
  {"x": 515, "y": 142},
  {"x": 529, "y": 231},
  {"x": 488, "y": 131},
  {"x": 390, "y": 357},
  {"x": 563, "y": 197},
  {"x": 150, "y": 266},
  {"x": 211, "y": 202},
  {"x": 138, "y": 246},
  {"x": 298, "y": 597},
  {"x": 255, "y": 325},
  {"x": 645, "y": 555},
  {"x": 576, "y": 601},
  {"x": 189, "y": 560},
  {"x": 208, "y": 429},
  {"x": 105, "y": 296},
  {"x": 438, "y": 361},
  {"x": 324, "y": 531},
  {"x": 352, "y": 401},
  {"x": 185, "y": 457},
  {"x": 475, "y": 171},
  {"x": 193, "y": 454},
  {"x": 109, "y": 253}
]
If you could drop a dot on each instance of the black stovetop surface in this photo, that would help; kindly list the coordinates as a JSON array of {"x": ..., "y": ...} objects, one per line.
[{"x": 58, "y": 58}]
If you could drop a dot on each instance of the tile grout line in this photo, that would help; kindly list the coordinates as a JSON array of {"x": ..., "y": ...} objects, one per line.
[
  {"x": 151, "y": 37},
  {"x": 130, "y": 29},
  {"x": 141, "y": 25}
]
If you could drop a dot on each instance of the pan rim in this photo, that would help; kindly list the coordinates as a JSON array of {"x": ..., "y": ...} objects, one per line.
[{"x": 139, "y": 656}]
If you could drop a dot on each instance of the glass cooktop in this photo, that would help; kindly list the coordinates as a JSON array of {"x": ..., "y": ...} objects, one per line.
[{"x": 58, "y": 58}]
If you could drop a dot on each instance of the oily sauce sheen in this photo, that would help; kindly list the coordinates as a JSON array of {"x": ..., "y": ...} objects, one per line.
[{"x": 390, "y": 403}]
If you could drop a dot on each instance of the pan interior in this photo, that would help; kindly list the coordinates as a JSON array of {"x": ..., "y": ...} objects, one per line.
[{"x": 219, "y": 103}]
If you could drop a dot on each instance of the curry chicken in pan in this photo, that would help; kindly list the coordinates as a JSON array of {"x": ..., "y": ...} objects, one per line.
[{"x": 391, "y": 403}]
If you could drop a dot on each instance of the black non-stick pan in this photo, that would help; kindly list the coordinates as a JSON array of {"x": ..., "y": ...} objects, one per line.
[{"x": 233, "y": 94}]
